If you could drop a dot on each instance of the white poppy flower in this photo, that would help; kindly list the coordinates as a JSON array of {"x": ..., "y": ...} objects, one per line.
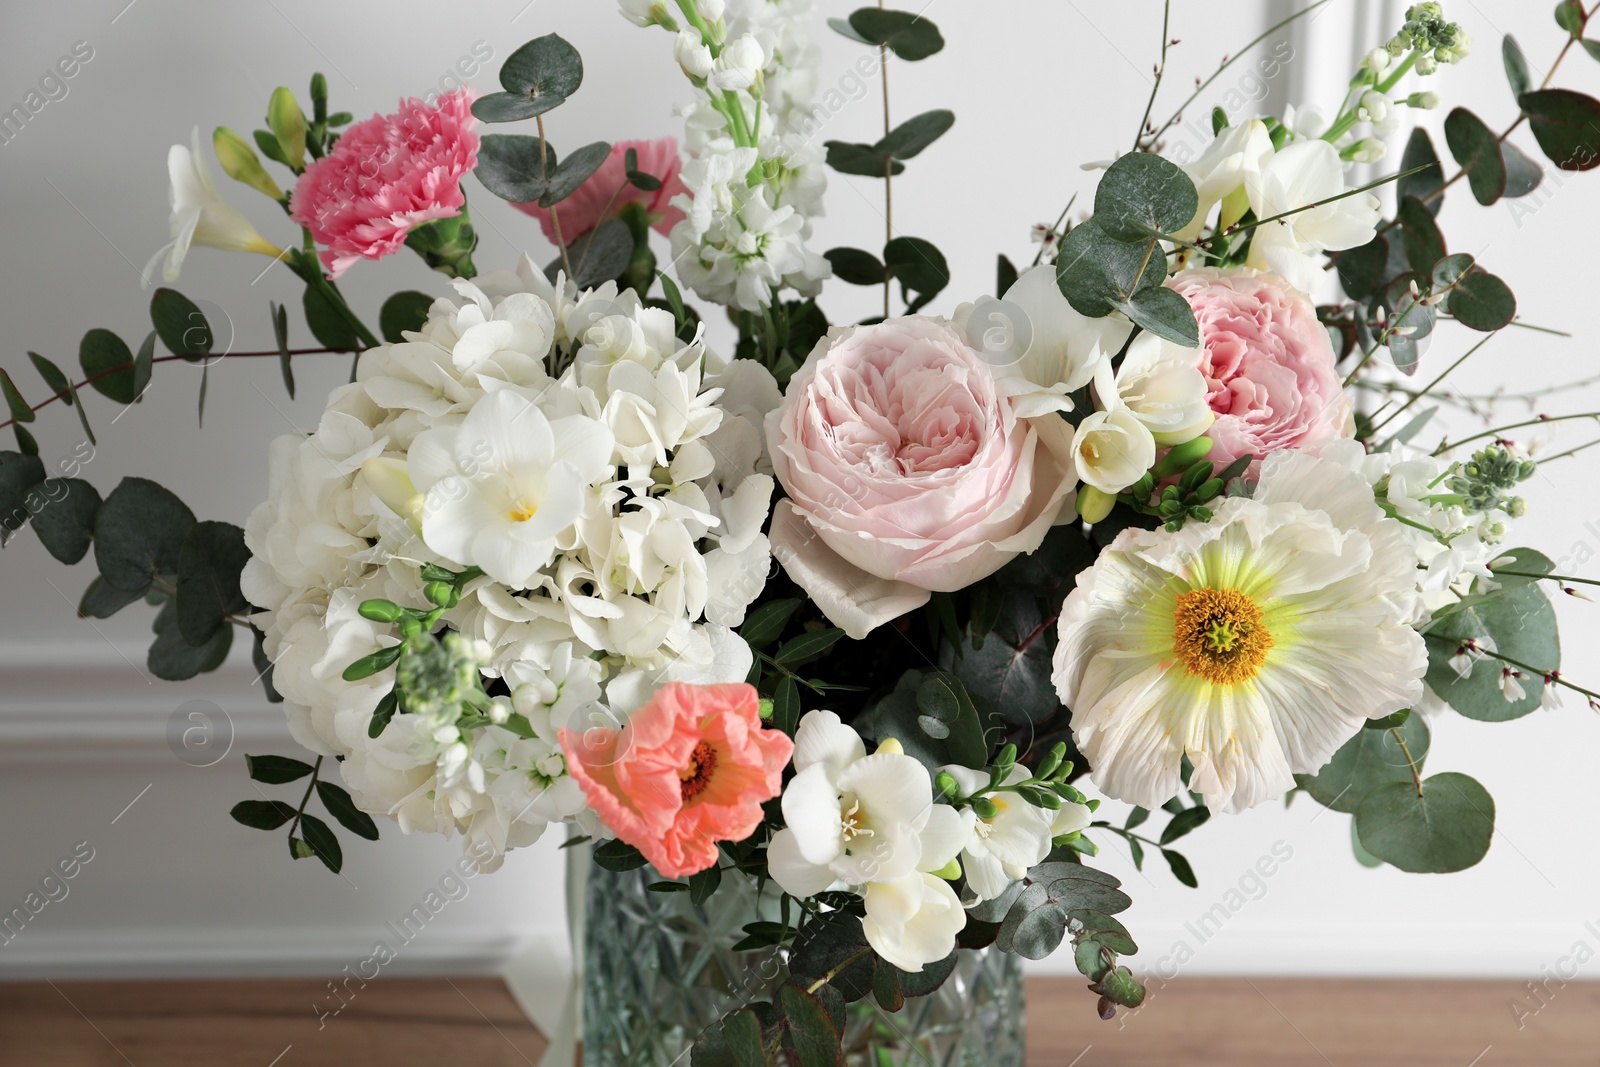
[
  {"x": 200, "y": 216},
  {"x": 503, "y": 485}
]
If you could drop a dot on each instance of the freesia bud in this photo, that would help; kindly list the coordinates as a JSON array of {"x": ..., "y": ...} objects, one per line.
[
  {"x": 1112, "y": 449},
  {"x": 288, "y": 125},
  {"x": 240, "y": 162},
  {"x": 891, "y": 747},
  {"x": 1093, "y": 505}
]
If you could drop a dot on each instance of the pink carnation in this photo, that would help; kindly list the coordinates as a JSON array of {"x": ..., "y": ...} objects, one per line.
[
  {"x": 1268, "y": 363},
  {"x": 385, "y": 176},
  {"x": 691, "y": 768},
  {"x": 599, "y": 199}
]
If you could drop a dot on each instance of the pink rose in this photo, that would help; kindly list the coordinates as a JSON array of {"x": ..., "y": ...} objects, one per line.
[
  {"x": 385, "y": 176},
  {"x": 691, "y": 768},
  {"x": 907, "y": 471},
  {"x": 606, "y": 192},
  {"x": 1268, "y": 364}
]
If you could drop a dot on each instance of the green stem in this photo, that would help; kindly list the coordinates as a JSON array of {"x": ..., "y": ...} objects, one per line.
[
  {"x": 1243, "y": 226},
  {"x": 306, "y": 799},
  {"x": 691, "y": 13},
  {"x": 1430, "y": 385},
  {"x": 1545, "y": 577},
  {"x": 1550, "y": 676},
  {"x": 1447, "y": 446},
  {"x": 1416, "y": 775},
  {"x": 1161, "y": 68}
]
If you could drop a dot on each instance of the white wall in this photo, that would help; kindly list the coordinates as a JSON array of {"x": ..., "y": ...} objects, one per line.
[{"x": 1039, "y": 87}]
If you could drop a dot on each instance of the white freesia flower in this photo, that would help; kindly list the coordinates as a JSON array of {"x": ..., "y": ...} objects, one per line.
[
  {"x": 1112, "y": 449},
  {"x": 1161, "y": 385},
  {"x": 200, "y": 216},
  {"x": 1041, "y": 348},
  {"x": 500, "y": 488},
  {"x": 1254, "y": 644},
  {"x": 912, "y": 921},
  {"x": 1303, "y": 174},
  {"x": 1220, "y": 171},
  {"x": 1003, "y": 847}
]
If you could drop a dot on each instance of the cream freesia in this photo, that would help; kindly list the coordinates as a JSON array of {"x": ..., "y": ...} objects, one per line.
[
  {"x": 1304, "y": 178},
  {"x": 200, "y": 216}
]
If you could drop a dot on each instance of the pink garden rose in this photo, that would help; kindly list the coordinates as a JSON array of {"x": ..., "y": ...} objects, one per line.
[
  {"x": 603, "y": 196},
  {"x": 907, "y": 471},
  {"x": 385, "y": 176},
  {"x": 1267, "y": 361},
  {"x": 691, "y": 768}
]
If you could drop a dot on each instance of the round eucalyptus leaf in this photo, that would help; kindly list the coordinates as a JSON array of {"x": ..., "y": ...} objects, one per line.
[
  {"x": 1096, "y": 272},
  {"x": 508, "y": 166},
  {"x": 1444, "y": 827},
  {"x": 906, "y": 34},
  {"x": 1477, "y": 149},
  {"x": 546, "y": 68},
  {"x": 1567, "y": 126},
  {"x": 1368, "y": 761},
  {"x": 1522, "y": 625},
  {"x": 65, "y": 524},
  {"x": 139, "y": 533},
  {"x": 1142, "y": 195},
  {"x": 1481, "y": 301},
  {"x": 402, "y": 312}
]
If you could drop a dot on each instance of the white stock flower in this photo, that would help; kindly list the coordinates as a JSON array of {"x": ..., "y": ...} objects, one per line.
[
  {"x": 739, "y": 65},
  {"x": 694, "y": 56},
  {"x": 1041, "y": 348},
  {"x": 1112, "y": 449},
  {"x": 502, "y": 486},
  {"x": 1302, "y": 174},
  {"x": 200, "y": 216},
  {"x": 647, "y": 13}
]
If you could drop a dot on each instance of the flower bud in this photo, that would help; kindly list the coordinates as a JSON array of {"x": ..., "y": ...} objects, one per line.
[
  {"x": 1181, "y": 458},
  {"x": 1093, "y": 505},
  {"x": 288, "y": 125},
  {"x": 693, "y": 56},
  {"x": 1426, "y": 101},
  {"x": 711, "y": 10},
  {"x": 890, "y": 746},
  {"x": 500, "y": 710},
  {"x": 1377, "y": 60},
  {"x": 380, "y": 610},
  {"x": 240, "y": 162},
  {"x": 1366, "y": 150},
  {"x": 1427, "y": 65},
  {"x": 1374, "y": 106},
  {"x": 946, "y": 784}
]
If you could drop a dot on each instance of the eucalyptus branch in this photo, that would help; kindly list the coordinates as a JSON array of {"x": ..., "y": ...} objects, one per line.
[
  {"x": 1226, "y": 63},
  {"x": 839, "y": 968},
  {"x": 1429, "y": 388},
  {"x": 1445, "y": 446},
  {"x": 544, "y": 167},
  {"x": 1161, "y": 69},
  {"x": 1416, "y": 775}
]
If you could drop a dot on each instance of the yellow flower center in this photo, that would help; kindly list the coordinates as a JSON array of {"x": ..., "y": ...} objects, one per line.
[
  {"x": 1219, "y": 635},
  {"x": 522, "y": 511}
]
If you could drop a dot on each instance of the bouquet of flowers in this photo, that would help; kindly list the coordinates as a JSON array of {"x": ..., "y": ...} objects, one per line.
[{"x": 850, "y": 619}]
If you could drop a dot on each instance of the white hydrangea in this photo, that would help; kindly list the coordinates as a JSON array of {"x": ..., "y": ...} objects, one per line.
[{"x": 609, "y": 478}]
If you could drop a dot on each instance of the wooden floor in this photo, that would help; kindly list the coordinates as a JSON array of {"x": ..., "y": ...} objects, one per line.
[{"x": 1261, "y": 1022}]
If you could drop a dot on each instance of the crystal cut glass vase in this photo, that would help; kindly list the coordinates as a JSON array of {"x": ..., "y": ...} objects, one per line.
[{"x": 657, "y": 970}]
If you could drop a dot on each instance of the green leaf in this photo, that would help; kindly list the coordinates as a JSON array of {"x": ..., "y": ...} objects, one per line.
[
  {"x": 618, "y": 856},
  {"x": 173, "y": 659},
  {"x": 909, "y": 138},
  {"x": 1369, "y": 760},
  {"x": 1477, "y": 149},
  {"x": 807, "y": 647},
  {"x": 1524, "y": 560},
  {"x": 1164, "y": 313},
  {"x": 299, "y": 850},
  {"x": 809, "y": 1033},
  {"x": 1450, "y": 270},
  {"x": 511, "y": 107},
  {"x": 828, "y": 942},
  {"x": 918, "y": 266},
  {"x": 855, "y": 266},
  {"x": 508, "y": 166},
  {"x": 108, "y": 363},
  {"x": 53, "y": 377},
  {"x": 703, "y": 885},
  {"x": 26, "y": 443},
  {"x": 1448, "y": 828},
  {"x": 907, "y": 35},
  {"x": 402, "y": 312},
  {"x": 103, "y": 600},
  {"x": 276, "y": 770},
  {"x": 1481, "y": 301},
  {"x": 323, "y": 842},
  {"x": 1363, "y": 857},
  {"x": 1523, "y": 175},
  {"x": 1592, "y": 47},
  {"x": 138, "y": 533},
  {"x": 545, "y": 69},
  {"x": 1423, "y": 242},
  {"x": 1096, "y": 272},
  {"x": 269, "y": 146},
  {"x": 1181, "y": 870},
  {"x": 1184, "y": 822},
  {"x": 766, "y": 622},
  {"x": 573, "y": 172},
  {"x": 144, "y": 364},
  {"x": 367, "y": 666},
  {"x": 328, "y": 326},
  {"x": 1567, "y": 126},
  {"x": 1522, "y": 624},
  {"x": 182, "y": 326},
  {"x": 1570, "y": 17},
  {"x": 599, "y": 256},
  {"x": 65, "y": 524},
  {"x": 786, "y": 706},
  {"x": 1516, "y": 65},
  {"x": 387, "y": 706},
  {"x": 863, "y": 160},
  {"x": 1142, "y": 195},
  {"x": 20, "y": 411},
  {"x": 209, "y": 564},
  {"x": 733, "y": 1041},
  {"x": 928, "y": 980},
  {"x": 1425, "y": 183},
  {"x": 1362, "y": 270},
  {"x": 262, "y": 814},
  {"x": 280, "y": 334},
  {"x": 20, "y": 476},
  {"x": 942, "y": 697},
  {"x": 844, "y": 29},
  {"x": 1009, "y": 676}
]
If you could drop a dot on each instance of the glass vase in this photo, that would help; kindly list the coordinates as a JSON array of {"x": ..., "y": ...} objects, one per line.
[{"x": 657, "y": 970}]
